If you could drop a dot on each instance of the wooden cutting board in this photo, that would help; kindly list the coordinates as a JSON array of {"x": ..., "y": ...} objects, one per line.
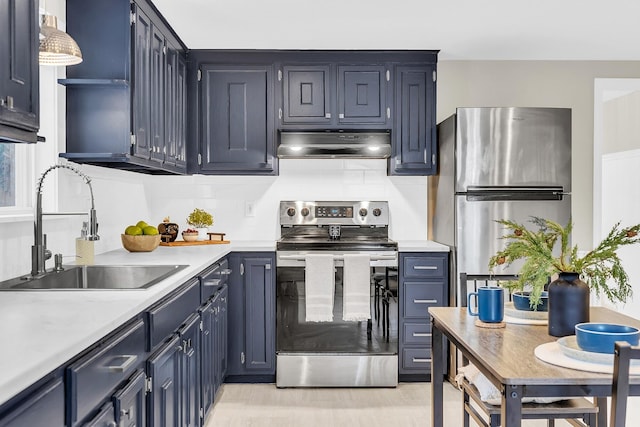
[{"x": 197, "y": 242}]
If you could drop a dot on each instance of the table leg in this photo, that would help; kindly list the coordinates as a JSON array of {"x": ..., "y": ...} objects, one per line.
[
  {"x": 437, "y": 366},
  {"x": 511, "y": 411}
]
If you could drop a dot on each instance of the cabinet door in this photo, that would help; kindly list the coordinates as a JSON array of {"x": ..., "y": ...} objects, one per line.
[
  {"x": 306, "y": 94},
  {"x": 45, "y": 407},
  {"x": 175, "y": 108},
  {"x": 190, "y": 372},
  {"x": 104, "y": 418},
  {"x": 414, "y": 151},
  {"x": 222, "y": 332},
  {"x": 156, "y": 99},
  {"x": 164, "y": 369},
  {"x": 129, "y": 402},
  {"x": 19, "y": 95},
  {"x": 142, "y": 85},
  {"x": 362, "y": 94},
  {"x": 206, "y": 356},
  {"x": 237, "y": 119},
  {"x": 259, "y": 315}
]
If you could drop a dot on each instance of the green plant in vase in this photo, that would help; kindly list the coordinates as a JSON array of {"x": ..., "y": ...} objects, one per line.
[
  {"x": 200, "y": 218},
  {"x": 600, "y": 268}
]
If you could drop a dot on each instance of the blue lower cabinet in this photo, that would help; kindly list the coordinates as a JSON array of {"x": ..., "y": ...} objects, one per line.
[
  {"x": 44, "y": 407},
  {"x": 190, "y": 372},
  {"x": 130, "y": 402},
  {"x": 163, "y": 368},
  {"x": 251, "y": 318},
  {"x": 206, "y": 356},
  {"x": 93, "y": 378},
  {"x": 104, "y": 418}
]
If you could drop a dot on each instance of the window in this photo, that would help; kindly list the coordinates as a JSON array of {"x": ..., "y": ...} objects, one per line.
[
  {"x": 7, "y": 175},
  {"x": 16, "y": 178}
]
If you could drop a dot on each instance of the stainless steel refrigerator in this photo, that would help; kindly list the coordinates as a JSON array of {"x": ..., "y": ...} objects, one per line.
[{"x": 496, "y": 163}]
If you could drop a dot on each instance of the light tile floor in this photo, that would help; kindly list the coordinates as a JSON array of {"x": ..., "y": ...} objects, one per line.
[{"x": 265, "y": 405}]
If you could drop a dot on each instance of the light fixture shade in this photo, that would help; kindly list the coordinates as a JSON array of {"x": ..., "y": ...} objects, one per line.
[{"x": 57, "y": 47}]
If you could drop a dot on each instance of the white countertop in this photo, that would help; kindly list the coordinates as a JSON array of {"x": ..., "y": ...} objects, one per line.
[
  {"x": 421, "y": 246},
  {"x": 43, "y": 330},
  {"x": 46, "y": 329}
]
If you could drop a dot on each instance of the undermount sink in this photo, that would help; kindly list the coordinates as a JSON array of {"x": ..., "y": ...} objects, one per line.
[{"x": 95, "y": 277}]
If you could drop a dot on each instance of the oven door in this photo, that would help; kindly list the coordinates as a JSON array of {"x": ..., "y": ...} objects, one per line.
[{"x": 338, "y": 353}]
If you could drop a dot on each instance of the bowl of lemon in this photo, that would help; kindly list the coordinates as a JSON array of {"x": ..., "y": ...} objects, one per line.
[{"x": 141, "y": 237}]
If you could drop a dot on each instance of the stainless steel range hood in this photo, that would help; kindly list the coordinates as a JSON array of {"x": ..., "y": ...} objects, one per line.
[{"x": 334, "y": 144}]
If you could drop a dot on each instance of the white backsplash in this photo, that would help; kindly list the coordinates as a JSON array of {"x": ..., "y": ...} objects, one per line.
[{"x": 123, "y": 198}]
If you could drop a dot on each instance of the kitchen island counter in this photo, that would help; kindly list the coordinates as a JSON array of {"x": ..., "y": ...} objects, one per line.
[{"x": 46, "y": 329}]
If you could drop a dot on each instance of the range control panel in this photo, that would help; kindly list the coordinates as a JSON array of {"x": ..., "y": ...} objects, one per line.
[{"x": 362, "y": 213}]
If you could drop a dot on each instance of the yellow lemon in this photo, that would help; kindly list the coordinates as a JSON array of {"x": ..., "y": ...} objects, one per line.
[
  {"x": 149, "y": 230},
  {"x": 133, "y": 230}
]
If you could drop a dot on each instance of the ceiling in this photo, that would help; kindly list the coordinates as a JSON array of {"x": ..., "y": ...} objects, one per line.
[{"x": 460, "y": 29}]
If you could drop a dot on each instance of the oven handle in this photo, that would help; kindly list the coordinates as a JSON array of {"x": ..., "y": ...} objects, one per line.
[{"x": 339, "y": 257}]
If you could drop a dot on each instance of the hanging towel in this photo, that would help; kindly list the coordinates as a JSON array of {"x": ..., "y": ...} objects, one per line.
[
  {"x": 356, "y": 288},
  {"x": 319, "y": 282}
]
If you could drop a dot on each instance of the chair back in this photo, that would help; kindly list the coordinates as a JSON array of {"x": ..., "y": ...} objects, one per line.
[{"x": 623, "y": 354}]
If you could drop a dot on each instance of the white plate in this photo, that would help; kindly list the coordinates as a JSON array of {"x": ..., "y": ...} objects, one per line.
[
  {"x": 569, "y": 346},
  {"x": 510, "y": 310}
]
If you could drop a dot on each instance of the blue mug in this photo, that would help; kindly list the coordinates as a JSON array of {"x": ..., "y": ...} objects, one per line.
[{"x": 489, "y": 303}]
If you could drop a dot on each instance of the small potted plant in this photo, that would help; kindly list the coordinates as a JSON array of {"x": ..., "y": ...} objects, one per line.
[
  {"x": 601, "y": 267},
  {"x": 200, "y": 220}
]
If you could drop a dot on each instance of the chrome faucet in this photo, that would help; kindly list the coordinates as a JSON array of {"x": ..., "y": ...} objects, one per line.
[{"x": 39, "y": 251}]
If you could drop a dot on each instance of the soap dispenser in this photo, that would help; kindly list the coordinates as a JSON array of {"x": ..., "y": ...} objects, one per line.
[{"x": 84, "y": 247}]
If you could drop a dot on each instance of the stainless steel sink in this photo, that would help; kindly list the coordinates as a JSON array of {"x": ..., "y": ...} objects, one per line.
[{"x": 95, "y": 277}]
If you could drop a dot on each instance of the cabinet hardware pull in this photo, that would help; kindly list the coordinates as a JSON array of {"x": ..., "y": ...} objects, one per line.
[
  {"x": 388, "y": 113},
  {"x": 421, "y": 334},
  {"x": 425, "y": 301},
  {"x": 327, "y": 115},
  {"x": 212, "y": 282},
  {"x": 226, "y": 271},
  {"x": 425, "y": 267},
  {"x": 420, "y": 360},
  {"x": 242, "y": 357},
  {"x": 341, "y": 115},
  {"x": 128, "y": 360}
]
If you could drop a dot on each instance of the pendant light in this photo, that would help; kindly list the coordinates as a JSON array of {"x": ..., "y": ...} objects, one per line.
[{"x": 57, "y": 47}]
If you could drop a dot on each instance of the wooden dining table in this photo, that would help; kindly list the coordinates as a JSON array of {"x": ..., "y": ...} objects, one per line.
[{"x": 506, "y": 357}]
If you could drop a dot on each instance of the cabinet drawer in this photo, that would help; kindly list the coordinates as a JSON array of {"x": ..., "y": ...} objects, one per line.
[
  {"x": 417, "y": 358},
  {"x": 167, "y": 316},
  {"x": 94, "y": 377},
  {"x": 424, "y": 266},
  {"x": 419, "y": 296},
  {"x": 417, "y": 334},
  {"x": 213, "y": 279}
]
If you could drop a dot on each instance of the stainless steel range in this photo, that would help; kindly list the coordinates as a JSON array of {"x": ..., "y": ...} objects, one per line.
[{"x": 335, "y": 353}]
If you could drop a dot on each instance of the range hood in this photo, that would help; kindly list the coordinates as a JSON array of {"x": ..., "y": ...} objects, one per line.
[{"x": 334, "y": 144}]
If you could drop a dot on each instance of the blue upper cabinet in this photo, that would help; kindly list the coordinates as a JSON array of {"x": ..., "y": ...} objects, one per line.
[
  {"x": 306, "y": 95},
  {"x": 19, "y": 86},
  {"x": 334, "y": 96},
  {"x": 236, "y": 132},
  {"x": 414, "y": 130},
  {"x": 126, "y": 101}
]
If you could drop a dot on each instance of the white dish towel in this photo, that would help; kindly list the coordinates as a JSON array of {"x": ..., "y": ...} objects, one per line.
[
  {"x": 356, "y": 288},
  {"x": 319, "y": 282}
]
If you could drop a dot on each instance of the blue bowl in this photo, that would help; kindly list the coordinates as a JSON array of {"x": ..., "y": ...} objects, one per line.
[
  {"x": 601, "y": 337},
  {"x": 521, "y": 301}
]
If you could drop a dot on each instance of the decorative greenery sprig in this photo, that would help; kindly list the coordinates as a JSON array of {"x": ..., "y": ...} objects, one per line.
[
  {"x": 200, "y": 218},
  {"x": 597, "y": 267}
]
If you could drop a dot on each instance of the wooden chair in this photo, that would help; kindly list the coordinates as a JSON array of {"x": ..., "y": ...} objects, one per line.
[
  {"x": 578, "y": 412},
  {"x": 623, "y": 354}
]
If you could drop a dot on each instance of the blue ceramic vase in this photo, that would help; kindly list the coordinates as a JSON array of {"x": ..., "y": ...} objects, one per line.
[{"x": 568, "y": 304}]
